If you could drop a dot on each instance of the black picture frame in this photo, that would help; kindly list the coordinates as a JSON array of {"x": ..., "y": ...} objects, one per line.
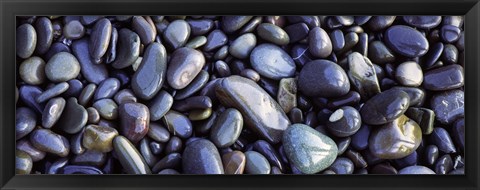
[{"x": 9, "y": 9}]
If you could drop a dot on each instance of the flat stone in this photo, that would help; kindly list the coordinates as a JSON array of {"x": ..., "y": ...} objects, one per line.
[
  {"x": 177, "y": 33},
  {"x": 178, "y": 124},
  {"x": 272, "y": 33},
  {"x": 242, "y": 46},
  {"x": 362, "y": 75}
]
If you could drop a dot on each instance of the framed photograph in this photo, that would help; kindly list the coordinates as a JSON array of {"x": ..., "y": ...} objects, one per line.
[{"x": 239, "y": 94}]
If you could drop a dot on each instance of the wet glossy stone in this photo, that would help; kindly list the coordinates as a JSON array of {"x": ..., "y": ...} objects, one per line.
[
  {"x": 107, "y": 89},
  {"x": 215, "y": 40},
  {"x": 52, "y": 92},
  {"x": 416, "y": 170},
  {"x": 287, "y": 92},
  {"x": 362, "y": 75},
  {"x": 250, "y": 74},
  {"x": 184, "y": 66},
  {"x": 269, "y": 152},
  {"x": 74, "y": 88},
  {"x": 409, "y": 74},
  {"x": 177, "y": 33},
  {"x": 449, "y": 33},
  {"x": 23, "y": 162},
  {"x": 319, "y": 43},
  {"x": 234, "y": 162},
  {"x": 424, "y": 117},
  {"x": 52, "y": 112},
  {"x": 129, "y": 157},
  {"x": 99, "y": 138},
  {"x": 406, "y": 41},
  {"x": 73, "y": 30},
  {"x": 159, "y": 106},
  {"x": 423, "y": 22},
  {"x": 431, "y": 154},
  {"x": 32, "y": 71},
  {"x": 25, "y": 122},
  {"x": 323, "y": 78},
  {"x": 433, "y": 55},
  {"x": 175, "y": 144},
  {"x": 233, "y": 23},
  {"x": 44, "y": 30},
  {"x": 297, "y": 32},
  {"x": 227, "y": 128},
  {"x": 145, "y": 30},
  {"x": 356, "y": 158},
  {"x": 458, "y": 133},
  {"x": 178, "y": 124},
  {"x": 158, "y": 133},
  {"x": 76, "y": 145},
  {"x": 87, "y": 94},
  {"x": 260, "y": 111},
  {"x": 435, "y": 79},
  {"x": 199, "y": 114},
  {"x": 273, "y": 34},
  {"x": 26, "y": 40},
  {"x": 450, "y": 54},
  {"x": 222, "y": 69},
  {"x": 62, "y": 67},
  {"x": 256, "y": 163},
  {"x": 27, "y": 95},
  {"x": 48, "y": 141},
  {"x": 74, "y": 117},
  {"x": 377, "y": 23},
  {"x": 338, "y": 40},
  {"x": 309, "y": 150},
  {"x": 200, "y": 26},
  {"x": 94, "y": 73},
  {"x": 150, "y": 75},
  {"x": 146, "y": 153},
  {"x": 172, "y": 160},
  {"x": 201, "y": 157},
  {"x": 196, "y": 42},
  {"x": 128, "y": 49},
  {"x": 360, "y": 138},
  {"x": 27, "y": 147},
  {"x": 417, "y": 95},
  {"x": 134, "y": 120},
  {"x": 100, "y": 39},
  {"x": 385, "y": 107},
  {"x": 272, "y": 62},
  {"x": 344, "y": 122},
  {"x": 444, "y": 164},
  {"x": 196, "y": 85},
  {"x": 396, "y": 139},
  {"x": 379, "y": 53},
  {"x": 342, "y": 165},
  {"x": 123, "y": 96},
  {"x": 242, "y": 46},
  {"x": 448, "y": 106},
  {"x": 442, "y": 139},
  {"x": 90, "y": 158}
]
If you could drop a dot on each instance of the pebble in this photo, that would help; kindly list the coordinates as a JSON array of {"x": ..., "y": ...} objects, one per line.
[
  {"x": 158, "y": 133},
  {"x": 379, "y": 53},
  {"x": 129, "y": 157},
  {"x": 172, "y": 160},
  {"x": 201, "y": 157},
  {"x": 308, "y": 150},
  {"x": 50, "y": 142},
  {"x": 267, "y": 150},
  {"x": 62, "y": 67},
  {"x": 196, "y": 42},
  {"x": 184, "y": 65},
  {"x": 178, "y": 124},
  {"x": 431, "y": 154},
  {"x": 134, "y": 120},
  {"x": 448, "y": 106},
  {"x": 344, "y": 122},
  {"x": 174, "y": 145},
  {"x": 32, "y": 71},
  {"x": 159, "y": 105},
  {"x": 128, "y": 49},
  {"x": 423, "y": 22},
  {"x": 323, "y": 78},
  {"x": 200, "y": 26},
  {"x": 396, "y": 139},
  {"x": 377, "y": 23},
  {"x": 233, "y": 23},
  {"x": 44, "y": 30},
  {"x": 242, "y": 46},
  {"x": 256, "y": 163},
  {"x": 177, "y": 34},
  {"x": 409, "y": 74},
  {"x": 297, "y": 32},
  {"x": 406, "y": 41},
  {"x": 272, "y": 33},
  {"x": 77, "y": 169},
  {"x": 424, "y": 117},
  {"x": 100, "y": 39},
  {"x": 441, "y": 138},
  {"x": 234, "y": 162},
  {"x": 436, "y": 79},
  {"x": 286, "y": 96},
  {"x": 196, "y": 85},
  {"x": 227, "y": 128},
  {"x": 90, "y": 158},
  {"x": 27, "y": 147},
  {"x": 27, "y": 95},
  {"x": 23, "y": 162},
  {"x": 26, "y": 40},
  {"x": 143, "y": 26},
  {"x": 107, "y": 108},
  {"x": 449, "y": 33},
  {"x": 73, "y": 30},
  {"x": 342, "y": 165},
  {"x": 52, "y": 112},
  {"x": 94, "y": 73},
  {"x": 87, "y": 94},
  {"x": 319, "y": 43},
  {"x": 215, "y": 40},
  {"x": 107, "y": 89},
  {"x": 52, "y": 92},
  {"x": 73, "y": 118},
  {"x": 385, "y": 107},
  {"x": 362, "y": 74},
  {"x": 25, "y": 122},
  {"x": 272, "y": 62},
  {"x": 150, "y": 75},
  {"x": 444, "y": 164},
  {"x": 260, "y": 111}
]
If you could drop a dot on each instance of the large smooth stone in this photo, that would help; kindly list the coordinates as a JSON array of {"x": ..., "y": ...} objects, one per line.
[
  {"x": 362, "y": 75},
  {"x": 448, "y": 106},
  {"x": 308, "y": 150},
  {"x": 100, "y": 39},
  {"x": 74, "y": 117},
  {"x": 128, "y": 49},
  {"x": 260, "y": 111},
  {"x": 48, "y": 141},
  {"x": 62, "y": 67},
  {"x": 423, "y": 22},
  {"x": 26, "y": 40},
  {"x": 52, "y": 112},
  {"x": 385, "y": 107},
  {"x": 227, "y": 128},
  {"x": 272, "y": 33},
  {"x": 159, "y": 105},
  {"x": 233, "y": 23},
  {"x": 406, "y": 41},
  {"x": 396, "y": 139},
  {"x": 129, "y": 157},
  {"x": 272, "y": 62},
  {"x": 94, "y": 73},
  {"x": 201, "y": 157},
  {"x": 323, "y": 78},
  {"x": 32, "y": 71},
  {"x": 319, "y": 43},
  {"x": 177, "y": 33},
  {"x": 150, "y": 75},
  {"x": 234, "y": 162},
  {"x": 99, "y": 138},
  {"x": 178, "y": 124},
  {"x": 134, "y": 120},
  {"x": 25, "y": 122},
  {"x": 444, "y": 78},
  {"x": 184, "y": 65},
  {"x": 256, "y": 163},
  {"x": 377, "y": 23}
]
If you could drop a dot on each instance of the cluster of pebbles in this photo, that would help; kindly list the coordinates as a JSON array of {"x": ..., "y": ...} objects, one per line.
[{"x": 240, "y": 95}]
